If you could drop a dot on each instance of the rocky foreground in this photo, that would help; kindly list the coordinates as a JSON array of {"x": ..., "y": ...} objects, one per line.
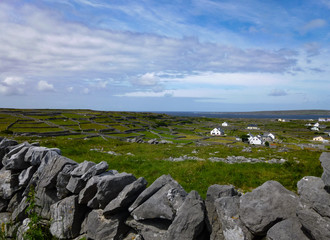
[{"x": 87, "y": 200}]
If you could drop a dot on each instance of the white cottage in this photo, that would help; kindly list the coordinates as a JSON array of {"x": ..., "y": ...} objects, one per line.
[
  {"x": 255, "y": 140},
  {"x": 217, "y": 132},
  {"x": 224, "y": 124}
]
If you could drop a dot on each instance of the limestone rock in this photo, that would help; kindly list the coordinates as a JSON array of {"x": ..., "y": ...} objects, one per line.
[
  {"x": 287, "y": 230},
  {"x": 95, "y": 170},
  {"x": 325, "y": 162},
  {"x": 100, "y": 228},
  {"x": 48, "y": 176},
  {"x": 215, "y": 192},
  {"x": 162, "y": 204},
  {"x": 154, "y": 187},
  {"x": 267, "y": 205},
  {"x": 228, "y": 214},
  {"x": 312, "y": 193},
  {"x": 315, "y": 225},
  {"x": 82, "y": 168},
  {"x": 126, "y": 196},
  {"x": 8, "y": 184},
  {"x": 16, "y": 161},
  {"x": 101, "y": 189},
  {"x": 67, "y": 217},
  {"x": 150, "y": 229},
  {"x": 19, "y": 213},
  {"x": 62, "y": 181},
  {"x": 25, "y": 176},
  {"x": 189, "y": 221}
]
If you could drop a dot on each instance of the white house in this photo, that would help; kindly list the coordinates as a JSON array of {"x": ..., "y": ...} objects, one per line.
[
  {"x": 316, "y": 124},
  {"x": 315, "y": 128},
  {"x": 217, "y": 132},
  {"x": 269, "y": 137},
  {"x": 322, "y": 120},
  {"x": 255, "y": 140},
  {"x": 224, "y": 124},
  {"x": 319, "y": 138}
]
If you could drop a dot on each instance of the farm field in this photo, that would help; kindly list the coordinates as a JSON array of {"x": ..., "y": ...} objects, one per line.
[{"x": 145, "y": 144}]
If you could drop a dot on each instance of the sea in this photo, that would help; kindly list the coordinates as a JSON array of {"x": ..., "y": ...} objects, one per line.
[{"x": 248, "y": 115}]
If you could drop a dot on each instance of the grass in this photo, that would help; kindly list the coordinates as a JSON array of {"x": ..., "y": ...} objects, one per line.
[{"x": 149, "y": 161}]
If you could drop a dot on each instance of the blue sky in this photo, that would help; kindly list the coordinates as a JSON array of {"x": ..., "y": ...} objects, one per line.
[{"x": 126, "y": 55}]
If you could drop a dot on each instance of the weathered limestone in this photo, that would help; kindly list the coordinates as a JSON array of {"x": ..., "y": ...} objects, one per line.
[
  {"x": 67, "y": 216},
  {"x": 215, "y": 192},
  {"x": 266, "y": 205},
  {"x": 189, "y": 222}
]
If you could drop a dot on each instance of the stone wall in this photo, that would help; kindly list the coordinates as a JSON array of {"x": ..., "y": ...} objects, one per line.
[{"x": 89, "y": 201}]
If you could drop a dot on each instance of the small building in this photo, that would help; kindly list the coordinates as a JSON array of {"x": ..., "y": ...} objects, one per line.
[
  {"x": 217, "y": 132},
  {"x": 268, "y": 137},
  {"x": 224, "y": 124},
  {"x": 319, "y": 138},
  {"x": 252, "y": 127},
  {"x": 255, "y": 140},
  {"x": 315, "y": 129},
  {"x": 322, "y": 119}
]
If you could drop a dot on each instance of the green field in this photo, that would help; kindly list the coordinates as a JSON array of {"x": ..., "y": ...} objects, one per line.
[{"x": 189, "y": 136}]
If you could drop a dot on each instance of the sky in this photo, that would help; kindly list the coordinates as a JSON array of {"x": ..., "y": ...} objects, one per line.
[{"x": 157, "y": 55}]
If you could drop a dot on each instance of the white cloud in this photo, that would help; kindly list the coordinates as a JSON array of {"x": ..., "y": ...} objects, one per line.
[
  {"x": 86, "y": 91},
  {"x": 44, "y": 86},
  {"x": 12, "y": 86},
  {"x": 147, "y": 79},
  {"x": 312, "y": 25}
]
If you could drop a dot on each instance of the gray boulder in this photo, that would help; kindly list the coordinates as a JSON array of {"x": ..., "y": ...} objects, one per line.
[
  {"x": 8, "y": 184},
  {"x": 100, "y": 228},
  {"x": 126, "y": 197},
  {"x": 63, "y": 179},
  {"x": 101, "y": 189},
  {"x": 312, "y": 193},
  {"x": 153, "y": 188},
  {"x": 49, "y": 173},
  {"x": 315, "y": 225},
  {"x": 215, "y": 192},
  {"x": 95, "y": 170},
  {"x": 75, "y": 183},
  {"x": 162, "y": 204},
  {"x": 150, "y": 229},
  {"x": 189, "y": 221},
  {"x": 266, "y": 205},
  {"x": 4, "y": 148},
  {"x": 228, "y": 214},
  {"x": 288, "y": 229},
  {"x": 35, "y": 154},
  {"x": 19, "y": 213},
  {"x": 25, "y": 176},
  {"x": 16, "y": 161},
  {"x": 325, "y": 163},
  {"x": 82, "y": 168},
  {"x": 67, "y": 216}
]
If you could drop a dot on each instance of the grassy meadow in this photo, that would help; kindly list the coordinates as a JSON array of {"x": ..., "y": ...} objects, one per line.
[{"x": 102, "y": 136}]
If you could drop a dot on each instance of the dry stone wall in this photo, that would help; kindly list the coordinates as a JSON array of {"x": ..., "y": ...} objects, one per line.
[{"x": 87, "y": 200}]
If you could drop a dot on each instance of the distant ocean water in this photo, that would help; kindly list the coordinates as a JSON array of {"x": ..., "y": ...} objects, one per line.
[{"x": 247, "y": 115}]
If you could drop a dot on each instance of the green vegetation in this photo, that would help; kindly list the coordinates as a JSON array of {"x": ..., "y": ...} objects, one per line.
[{"x": 190, "y": 137}]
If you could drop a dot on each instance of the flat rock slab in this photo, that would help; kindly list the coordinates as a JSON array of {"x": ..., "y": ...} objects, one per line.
[
  {"x": 267, "y": 205},
  {"x": 189, "y": 222},
  {"x": 162, "y": 204},
  {"x": 288, "y": 229},
  {"x": 126, "y": 197},
  {"x": 312, "y": 192},
  {"x": 67, "y": 217}
]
